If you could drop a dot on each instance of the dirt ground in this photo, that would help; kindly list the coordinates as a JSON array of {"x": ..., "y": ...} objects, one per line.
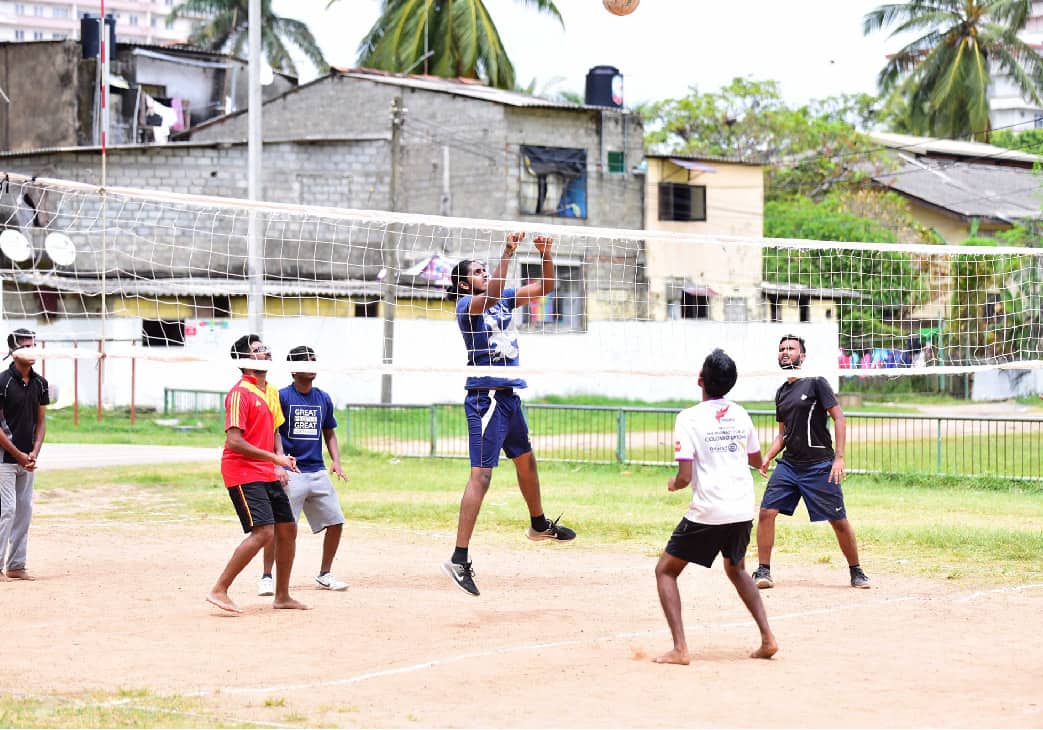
[{"x": 562, "y": 636}]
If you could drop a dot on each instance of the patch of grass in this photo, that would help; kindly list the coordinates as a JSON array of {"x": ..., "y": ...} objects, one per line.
[
  {"x": 275, "y": 702},
  {"x": 194, "y": 429},
  {"x": 133, "y": 708},
  {"x": 917, "y": 525}
]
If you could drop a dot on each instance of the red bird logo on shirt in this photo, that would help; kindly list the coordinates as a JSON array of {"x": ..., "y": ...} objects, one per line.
[{"x": 721, "y": 413}]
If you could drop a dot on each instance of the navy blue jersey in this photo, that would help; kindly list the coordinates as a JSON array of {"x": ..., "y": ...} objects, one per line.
[
  {"x": 307, "y": 415},
  {"x": 490, "y": 340}
]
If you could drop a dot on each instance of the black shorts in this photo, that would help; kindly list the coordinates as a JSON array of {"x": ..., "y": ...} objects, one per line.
[
  {"x": 698, "y": 543},
  {"x": 260, "y": 503}
]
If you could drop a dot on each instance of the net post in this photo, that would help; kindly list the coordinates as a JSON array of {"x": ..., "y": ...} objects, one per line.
[
  {"x": 621, "y": 436},
  {"x": 255, "y": 142},
  {"x": 434, "y": 429},
  {"x": 390, "y": 252}
]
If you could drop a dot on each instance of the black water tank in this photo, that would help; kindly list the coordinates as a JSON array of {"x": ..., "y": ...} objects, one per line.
[
  {"x": 604, "y": 87},
  {"x": 90, "y": 35}
]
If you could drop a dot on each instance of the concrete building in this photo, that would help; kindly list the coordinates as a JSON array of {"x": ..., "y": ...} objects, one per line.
[
  {"x": 54, "y": 99},
  {"x": 465, "y": 150},
  {"x": 1008, "y": 109},
  {"x": 137, "y": 21},
  {"x": 704, "y": 196}
]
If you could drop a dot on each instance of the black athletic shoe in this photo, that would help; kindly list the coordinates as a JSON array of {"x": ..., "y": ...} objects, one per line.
[
  {"x": 462, "y": 575},
  {"x": 554, "y": 531},
  {"x": 762, "y": 577},
  {"x": 859, "y": 579}
]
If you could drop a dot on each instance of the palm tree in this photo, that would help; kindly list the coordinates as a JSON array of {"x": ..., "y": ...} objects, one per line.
[
  {"x": 945, "y": 74},
  {"x": 450, "y": 38},
  {"x": 225, "y": 29}
]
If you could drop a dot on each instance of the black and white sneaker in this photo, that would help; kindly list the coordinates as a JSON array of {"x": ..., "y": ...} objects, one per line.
[
  {"x": 554, "y": 531},
  {"x": 762, "y": 577},
  {"x": 462, "y": 575},
  {"x": 859, "y": 579}
]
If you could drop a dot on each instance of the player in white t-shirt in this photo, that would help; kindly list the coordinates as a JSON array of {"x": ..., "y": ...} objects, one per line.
[{"x": 714, "y": 445}]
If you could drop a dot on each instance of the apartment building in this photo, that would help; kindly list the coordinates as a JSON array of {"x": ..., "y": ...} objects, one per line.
[{"x": 137, "y": 21}]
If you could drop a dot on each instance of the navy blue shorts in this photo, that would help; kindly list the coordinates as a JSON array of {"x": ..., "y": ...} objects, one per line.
[
  {"x": 695, "y": 542},
  {"x": 495, "y": 423},
  {"x": 790, "y": 482},
  {"x": 260, "y": 503}
]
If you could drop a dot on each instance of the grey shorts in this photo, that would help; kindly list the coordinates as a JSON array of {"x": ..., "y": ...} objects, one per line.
[{"x": 313, "y": 492}]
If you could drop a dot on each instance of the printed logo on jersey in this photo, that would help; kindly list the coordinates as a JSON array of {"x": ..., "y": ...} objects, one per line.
[
  {"x": 502, "y": 340},
  {"x": 721, "y": 413},
  {"x": 305, "y": 422}
]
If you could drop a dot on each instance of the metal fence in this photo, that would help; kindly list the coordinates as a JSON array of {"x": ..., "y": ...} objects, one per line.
[
  {"x": 180, "y": 400},
  {"x": 881, "y": 443}
]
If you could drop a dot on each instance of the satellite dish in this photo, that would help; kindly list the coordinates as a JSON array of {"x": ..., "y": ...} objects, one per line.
[
  {"x": 266, "y": 73},
  {"x": 60, "y": 248},
  {"x": 15, "y": 246}
]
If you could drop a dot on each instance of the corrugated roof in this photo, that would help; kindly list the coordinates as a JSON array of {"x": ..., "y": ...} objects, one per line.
[
  {"x": 981, "y": 190},
  {"x": 706, "y": 158},
  {"x": 461, "y": 87},
  {"x": 950, "y": 147}
]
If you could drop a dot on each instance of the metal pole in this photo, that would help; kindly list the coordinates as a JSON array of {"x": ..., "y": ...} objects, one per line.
[
  {"x": 75, "y": 387},
  {"x": 446, "y": 203},
  {"x": 133, "y": 385},
  {"x": 255, "y": 243},
  {"x": 101, "y": 360},
  {"x": 391, "y": 253}
]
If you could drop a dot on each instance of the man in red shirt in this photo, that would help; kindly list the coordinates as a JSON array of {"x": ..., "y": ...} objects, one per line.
[{"x": 248, "y": 467}]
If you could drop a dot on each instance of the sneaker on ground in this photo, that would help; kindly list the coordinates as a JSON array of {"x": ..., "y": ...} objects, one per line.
[
  {"x": 327, "y": 581},
  {"x": 762, "y": 577},
  {"x": 859, "y": 579},
  {"x": 554, "y": 531},
  {"x": 266, "y": 586},
  {"x": 462, "y": 575}
]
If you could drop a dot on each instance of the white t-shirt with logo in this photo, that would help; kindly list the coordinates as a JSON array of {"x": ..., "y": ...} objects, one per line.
[{"x": 717, "y": 435}]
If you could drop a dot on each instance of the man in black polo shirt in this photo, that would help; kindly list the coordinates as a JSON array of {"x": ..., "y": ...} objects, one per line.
[
  {"x": 23, "y": 395},
  {"x": 810, "y": 469}
]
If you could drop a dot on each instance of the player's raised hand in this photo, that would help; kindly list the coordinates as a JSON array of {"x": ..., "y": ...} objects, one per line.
[
  {"x": 542, "y": 243},
  {"x": 513, "y": 239}
]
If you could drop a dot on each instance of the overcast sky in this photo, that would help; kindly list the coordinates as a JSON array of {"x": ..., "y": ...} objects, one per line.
[{"x": 814, "y": 48}]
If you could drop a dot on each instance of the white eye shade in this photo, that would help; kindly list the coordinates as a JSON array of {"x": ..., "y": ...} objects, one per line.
[
  {"x": 15, "y": 246},
  {"x": 60, "y": 248}
]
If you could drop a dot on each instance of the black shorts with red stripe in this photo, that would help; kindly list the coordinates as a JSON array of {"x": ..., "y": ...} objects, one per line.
[{"x": 260, "y": 503}]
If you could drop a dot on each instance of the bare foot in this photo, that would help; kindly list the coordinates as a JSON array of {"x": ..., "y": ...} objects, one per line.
[
  {"x": 673, "y": 657},
  {"x": 766, "y": 651},
  {"x": 290, "y": 603},
  {"x": 19, "y": 575},
  {"x": 222, "y": 601}
]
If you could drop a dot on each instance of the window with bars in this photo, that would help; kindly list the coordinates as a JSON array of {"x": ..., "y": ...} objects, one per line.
[
  {"x": 562, "y": 309},
  {"x": 617, "y": 162},
  {"x": 679, "y": 202}
]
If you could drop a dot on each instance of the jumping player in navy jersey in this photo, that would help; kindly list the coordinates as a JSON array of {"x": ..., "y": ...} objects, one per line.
[
  {"x": 810, "y": 469},
  {"x": 495, "y": 420}
]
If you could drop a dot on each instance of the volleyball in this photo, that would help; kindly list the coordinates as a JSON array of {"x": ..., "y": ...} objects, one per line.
[{"x": 621, "y": 7}]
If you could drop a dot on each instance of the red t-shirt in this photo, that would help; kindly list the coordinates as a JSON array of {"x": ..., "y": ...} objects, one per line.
[{"x": 247, "y": 409}]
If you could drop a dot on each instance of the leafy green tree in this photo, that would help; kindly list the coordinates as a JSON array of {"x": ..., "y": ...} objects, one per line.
[
  {"x": 225, "y": 29},
  {"x": 879, "y": 282},
  {"x": 808, "y": 149},
  {"x": 459, "y": 35},
  {"x": 994, "y": 312},
  {"x": 944, "y": 75}
]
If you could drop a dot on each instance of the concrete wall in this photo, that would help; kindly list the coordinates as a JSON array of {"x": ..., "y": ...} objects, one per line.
[{"x": 48, "y": 87}]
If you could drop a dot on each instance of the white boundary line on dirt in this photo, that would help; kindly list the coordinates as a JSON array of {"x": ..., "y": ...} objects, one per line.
[{"x": 358, "y": 678}]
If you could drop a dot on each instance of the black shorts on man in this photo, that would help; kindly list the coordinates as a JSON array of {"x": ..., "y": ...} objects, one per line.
[
  {"x": 261, "y": 503},
  {"x": 695, "y": 542}
]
